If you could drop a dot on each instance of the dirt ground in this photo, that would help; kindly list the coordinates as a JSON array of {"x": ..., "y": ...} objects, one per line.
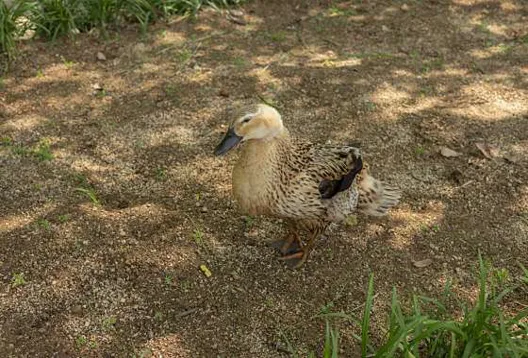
[{"x": 136, "y": 133}]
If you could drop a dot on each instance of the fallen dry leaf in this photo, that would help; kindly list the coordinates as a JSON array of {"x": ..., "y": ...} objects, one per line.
[
  {"x": 490, "y": 151},
  {"x": 512, "y": 158},
  {"x": 206, "y": 270},
  {"x": 448, "y": 153},
  {"x": 422, "y": 263},
  {"x": 101, "y": 56}
]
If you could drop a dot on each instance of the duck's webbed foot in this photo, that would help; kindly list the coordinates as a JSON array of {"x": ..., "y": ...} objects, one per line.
[
  {"x": 296, "y": 259},
  {"x": 296, "y": 255},
  {"x": 289, "y": 245}
]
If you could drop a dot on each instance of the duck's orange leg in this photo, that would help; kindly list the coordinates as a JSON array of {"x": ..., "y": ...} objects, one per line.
[
  {"x": 297, "y": 259},
  {"x": 291, "y": 243}
]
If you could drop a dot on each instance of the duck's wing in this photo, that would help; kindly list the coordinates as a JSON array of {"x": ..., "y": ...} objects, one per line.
[{"x": 335, "y": 167}]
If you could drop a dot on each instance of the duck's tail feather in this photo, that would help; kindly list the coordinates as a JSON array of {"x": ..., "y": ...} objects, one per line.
[{"x": 376, "y": 197}]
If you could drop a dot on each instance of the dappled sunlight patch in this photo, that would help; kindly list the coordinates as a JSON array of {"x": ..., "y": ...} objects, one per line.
[
  {"x": 170, "y": 345},
  {"x": 25, "y": 122},
  {"x": 123, "y": 270},
  {"x": 9, "y": 223},
  {"x": 172, "y": 134},
  {"x": 171, "y": 37},
  {"x": 388, "y": 94},
  {"x": 318, "y": 59},
  {"x": 409, "y": 222},
  {"x": 424, "y": 103},
  {"x": 91, "y": 165},
  {"x": 511, "y": 6},
  {"x": 266, "y": 78},
  {"x": 497, "y": 102}
]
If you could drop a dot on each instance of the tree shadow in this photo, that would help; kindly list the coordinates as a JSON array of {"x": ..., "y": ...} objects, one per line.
[{"x": 403, "y": 80}]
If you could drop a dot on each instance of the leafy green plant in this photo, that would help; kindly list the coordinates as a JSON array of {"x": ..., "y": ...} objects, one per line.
[
  {"x": 182, "y": 7},
  {"x": 12, "y": 24},
  {"x": 161, "y": 174},
  {"x": 428, "y": 329},
  {"x": 109, "y": 323},
  {"x": 278, "y": 36},
  {"x": 81, "y": 341},
  {"x": 101, "y": 13},
  {"x": 167, "y": 279},
  {"x": 43, "y": 151},
  {"x": 18, "y": 279},
  {"x": 57, "y": 17},
  {"x": 45, "y": 224},
  {"x": 90, "y": 193},
  {"x": 63, "y": 218},
  {"x": 141, "y": 11},
  {"x": 54, "y": 18},
  {"x": 198, "y": 237}
]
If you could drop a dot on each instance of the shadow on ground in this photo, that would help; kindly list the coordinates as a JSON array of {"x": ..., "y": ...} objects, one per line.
[{"x": 121, "y": 278}]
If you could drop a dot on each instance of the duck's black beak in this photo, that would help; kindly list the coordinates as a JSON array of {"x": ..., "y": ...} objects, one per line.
[{"x": 231, "y": 139}]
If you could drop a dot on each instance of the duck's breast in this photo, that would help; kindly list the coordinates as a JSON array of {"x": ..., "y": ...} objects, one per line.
[{"x": 251, "y": 184}]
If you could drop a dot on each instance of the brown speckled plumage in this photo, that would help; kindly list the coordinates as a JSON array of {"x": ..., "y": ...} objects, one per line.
[{"x": 310, "y": 185}]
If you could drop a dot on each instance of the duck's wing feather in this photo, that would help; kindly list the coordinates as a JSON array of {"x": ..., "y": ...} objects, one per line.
[{"x": 334, "y": 167}]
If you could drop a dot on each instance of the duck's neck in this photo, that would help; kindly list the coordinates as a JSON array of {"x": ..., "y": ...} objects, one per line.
[
  {"x": 264, "y": 150},
  {"x": 256, "y": 170}
]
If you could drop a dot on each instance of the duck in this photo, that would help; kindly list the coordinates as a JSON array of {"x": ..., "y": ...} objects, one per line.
[{"x": 307, "y": 185}]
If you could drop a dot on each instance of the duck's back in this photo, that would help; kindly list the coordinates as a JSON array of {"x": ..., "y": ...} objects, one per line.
[
  {"x": 295, "y": 179},
  {"x": 318, "y": 189}
]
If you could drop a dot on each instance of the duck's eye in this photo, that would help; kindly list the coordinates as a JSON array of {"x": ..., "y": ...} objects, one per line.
[{"x": 245, "y": 120}]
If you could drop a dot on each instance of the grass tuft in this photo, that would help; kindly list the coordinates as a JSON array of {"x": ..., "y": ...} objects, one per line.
[
  {"x": 90, "y": 193},
  {"x": 12, "y": 24},
  {"x": 54, "y": 18},
  {"x": 428, "y": 329},
  {"x": 18, "y": 279}
]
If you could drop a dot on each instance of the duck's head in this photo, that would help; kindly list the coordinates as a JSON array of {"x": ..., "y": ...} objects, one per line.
[{"x": 255, "y": 122}]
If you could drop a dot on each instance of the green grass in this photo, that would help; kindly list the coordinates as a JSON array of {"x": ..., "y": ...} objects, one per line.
[
  {"x": 63, "y": 218},
  {"x": 11, "y": 26},
  {"x": 6, "y": 141},
  {"x": 429, "y": 329},
  {"x": 336, "y": 11},
  {"x": 198, "y": 237},
  {"x": 81, "y": 341},
  {"x": 240, "y": 62},
  {"x": 90, "y": 194},
  {"x": 43, "y": 151},
  {"x": 54, "y": 18},
  {"x": 161, "y": 174},
  {"x": 20, "y": 150},
  {"x": 18, "y": 279},
  {"x": 109, "y": 323},
  {"x": 167, "y": 279},
  {"x": 278, "y": 36},
  {"x": 45, "y": 224}
]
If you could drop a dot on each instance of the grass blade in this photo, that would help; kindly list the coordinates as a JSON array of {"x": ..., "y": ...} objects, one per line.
[
  {"x": 366, "y": 316},
  {"x": 327, "y": 342}
]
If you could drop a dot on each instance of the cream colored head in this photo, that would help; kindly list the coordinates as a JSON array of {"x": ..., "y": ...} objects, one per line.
[{"x": 256, "y": 122}]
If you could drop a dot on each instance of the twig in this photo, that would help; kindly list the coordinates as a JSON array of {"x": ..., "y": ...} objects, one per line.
[
  {"x": 266, "y": 101},
  {"x": 363, "y": 304},
  {"x": 199, "y": 41},
  {"x": 179, "y": 19},
  {"x": 186, "y": 313}
]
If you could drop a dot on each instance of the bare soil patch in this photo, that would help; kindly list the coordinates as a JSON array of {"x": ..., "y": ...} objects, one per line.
[{"x": 137, "y": 131}]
